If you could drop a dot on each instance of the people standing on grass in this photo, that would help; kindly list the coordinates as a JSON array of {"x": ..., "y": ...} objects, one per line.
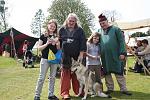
[
  {"x": 113, "y": 51},
  {"x": 25, "y": 49},
  {"x": 73, "y": 44},
  {"x": 25, "y": 46},
  {"x": 46, "y": 43},
  {"x": 93, "y": 62}
]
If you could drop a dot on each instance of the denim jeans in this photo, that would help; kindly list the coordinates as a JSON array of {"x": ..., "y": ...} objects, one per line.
[{"x": 44, "y": 65}]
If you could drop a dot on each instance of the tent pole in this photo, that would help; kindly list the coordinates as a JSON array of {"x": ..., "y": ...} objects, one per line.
[
  {"x": 140, "y": 61},
  {"x": 13, "y": 43},
  {"x": 11, "y": 49}
]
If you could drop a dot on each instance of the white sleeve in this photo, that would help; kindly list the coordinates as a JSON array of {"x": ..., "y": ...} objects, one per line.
[{"x": 145, "y": 51}]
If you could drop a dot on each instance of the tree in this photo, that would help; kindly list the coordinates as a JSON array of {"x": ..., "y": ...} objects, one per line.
[
  {"x": 61, "y": 8},
  {"x": 37, "y": 23},
  {"x": 148, "y": 32},
  {"x": 3, "y": 13},
  {"x": 138, "y": 34},
  {"x": 112, "y": 15}
]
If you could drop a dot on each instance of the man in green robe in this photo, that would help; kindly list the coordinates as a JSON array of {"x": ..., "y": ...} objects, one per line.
[{"x": 112, "y": 45}]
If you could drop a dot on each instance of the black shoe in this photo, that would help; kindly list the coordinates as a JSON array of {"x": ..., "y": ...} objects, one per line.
[
  {"x": 23, "y": 64},
  {"x": 109, "y": 91},
  {"x": 109, "y": 96},
  {"x": 36, "y": 98},
  {"x": 126, "y": 93},
  {"x": 52, "y": 97}
]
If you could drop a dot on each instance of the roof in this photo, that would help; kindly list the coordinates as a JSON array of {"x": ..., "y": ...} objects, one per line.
[
  {"x": 15, "y": 32},
  {"x": 132, "y": 41},
  {"x": 134, "y": 25}
]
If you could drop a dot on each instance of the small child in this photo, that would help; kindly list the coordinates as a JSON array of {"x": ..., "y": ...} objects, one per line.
[{"x": 93, "y": 59}]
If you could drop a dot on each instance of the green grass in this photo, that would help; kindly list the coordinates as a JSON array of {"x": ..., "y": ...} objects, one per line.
[{"x": 17, "y": 83}]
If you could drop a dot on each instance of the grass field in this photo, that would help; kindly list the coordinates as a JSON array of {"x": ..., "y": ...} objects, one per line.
[{"x": 18, "y": 83}]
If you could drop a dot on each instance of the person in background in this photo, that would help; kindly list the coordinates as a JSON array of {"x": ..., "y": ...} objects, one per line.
[
  {"x": 113, "y": 51},
  {"x": 46, "y": 43},
  {"x": 73, "y": 44},
  {"x": 93, "y": 62},
  {"x": 25, "y": 46},
  {"x": 138, "y": 48},
  {"x": 6, "y": 50},
  {"x": 145, "y": 53}
]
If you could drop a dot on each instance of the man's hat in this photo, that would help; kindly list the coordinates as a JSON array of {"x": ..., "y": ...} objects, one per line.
[{"x": 102, "y": 17}]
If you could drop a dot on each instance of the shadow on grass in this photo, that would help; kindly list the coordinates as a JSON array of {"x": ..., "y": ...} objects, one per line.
[
  {"x": 116, "y": 95},
  {"x": 144, "y": 74},
  {"x": 140, "y": 73}
]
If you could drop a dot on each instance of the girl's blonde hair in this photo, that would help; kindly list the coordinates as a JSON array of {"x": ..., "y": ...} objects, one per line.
[{"x": 95, "y": 34}]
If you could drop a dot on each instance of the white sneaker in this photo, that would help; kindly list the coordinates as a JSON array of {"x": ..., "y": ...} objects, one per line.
[{"x": 102, "y": 95}]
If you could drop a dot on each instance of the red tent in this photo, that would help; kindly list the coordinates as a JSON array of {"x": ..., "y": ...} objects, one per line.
[{"x": 18, "y": 38}]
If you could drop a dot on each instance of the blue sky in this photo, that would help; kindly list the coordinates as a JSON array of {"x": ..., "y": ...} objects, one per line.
[{"x": 22, "y": 11}]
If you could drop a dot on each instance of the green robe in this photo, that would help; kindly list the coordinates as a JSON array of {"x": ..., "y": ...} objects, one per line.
[{"x": 112, "y": 44}]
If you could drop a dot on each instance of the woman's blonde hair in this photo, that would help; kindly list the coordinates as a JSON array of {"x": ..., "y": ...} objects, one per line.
[
  {"x": 75, "y": 16},
  {"x": 95, "y": 34}
]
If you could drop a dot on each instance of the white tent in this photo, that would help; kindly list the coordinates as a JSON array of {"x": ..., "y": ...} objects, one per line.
[
  {"x": 134, "y": 25},
  {"x": 132, "y": 41}
]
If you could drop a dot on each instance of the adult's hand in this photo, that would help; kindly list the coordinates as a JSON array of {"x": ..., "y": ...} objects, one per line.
[{"x": 81, "y": 55}]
